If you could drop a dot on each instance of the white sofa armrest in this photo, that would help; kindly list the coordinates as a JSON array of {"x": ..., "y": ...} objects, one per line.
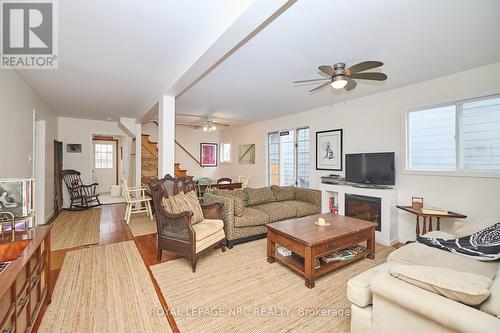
[
  {"x": 435, "y": 308},
  {"x": 457, "y": 225}
]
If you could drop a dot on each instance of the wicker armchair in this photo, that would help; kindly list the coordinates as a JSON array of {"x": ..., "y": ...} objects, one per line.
[{"x": 175, "y": 233}]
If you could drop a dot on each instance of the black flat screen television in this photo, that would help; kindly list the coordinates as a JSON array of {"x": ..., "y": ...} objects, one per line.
[{"x": 370, "y": 168}]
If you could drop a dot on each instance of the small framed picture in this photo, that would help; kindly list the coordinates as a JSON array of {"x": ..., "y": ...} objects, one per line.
[
  {"x": 73, "y": 147},
  {"x": 208, "y": 154},
  {"x": 329, "y": 150}
]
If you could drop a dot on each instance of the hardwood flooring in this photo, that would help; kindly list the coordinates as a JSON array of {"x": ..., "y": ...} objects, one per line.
[{"x": 113, "y": 229}]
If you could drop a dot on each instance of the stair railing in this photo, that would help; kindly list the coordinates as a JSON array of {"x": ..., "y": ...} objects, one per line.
[{"x": 182, "y": 147}]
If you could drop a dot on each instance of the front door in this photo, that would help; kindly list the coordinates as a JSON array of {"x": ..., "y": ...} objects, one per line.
[{"x": 105, "y": 165}]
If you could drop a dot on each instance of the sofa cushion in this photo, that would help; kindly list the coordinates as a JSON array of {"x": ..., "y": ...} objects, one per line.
[
  {"x": 206, "y": 228},
  {"x": 276, "y": 211},
  {"x": 257, "y": 196},
  {"x": 420, "y": 254},
  {"x": 302, "y": 208},
  {"x": 439, "y": 234},
  {"x": 471, "y": 228},
  {"x": 240, "y": 199},
  {"x": 467, "y": 288},
  {"x": 492, "y": 304},
  {"x": 251, "y": 217},
  {"x": 282, "y": 193},
  {"x": 358, "y": 287}
]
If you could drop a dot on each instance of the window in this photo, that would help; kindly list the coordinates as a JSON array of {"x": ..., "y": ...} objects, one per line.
[
  {"x": 225, "y": 153},
  {"x": 462, "y": 136},
  {"x": 288, "y": 158},
  {"x": 103, "y": 155}
]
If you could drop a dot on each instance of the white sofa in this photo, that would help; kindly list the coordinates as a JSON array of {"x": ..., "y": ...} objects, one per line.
[{"x": 383, "y": 303}]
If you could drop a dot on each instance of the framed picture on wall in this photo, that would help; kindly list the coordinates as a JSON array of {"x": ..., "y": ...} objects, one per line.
[
  {"x": 329, "y": 150},
  {"x": 73, "y": 147},
  {"x": 208, "y": 154}
]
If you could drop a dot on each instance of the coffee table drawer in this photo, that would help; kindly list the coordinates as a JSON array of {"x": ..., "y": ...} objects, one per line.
[{"x": 343, "y": 242}]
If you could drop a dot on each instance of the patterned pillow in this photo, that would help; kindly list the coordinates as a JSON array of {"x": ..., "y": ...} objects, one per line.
[
  {"x": 182, "y": 202},
  {"x": 257, "y": 196},
  {"x": 282, "y": 193}
]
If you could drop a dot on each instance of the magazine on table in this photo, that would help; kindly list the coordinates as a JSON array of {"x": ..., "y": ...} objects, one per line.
[{"x": 344, "y": 254}]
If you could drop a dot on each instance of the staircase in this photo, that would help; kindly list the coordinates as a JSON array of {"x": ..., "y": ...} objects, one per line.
[{"x": 149, "y": 161}]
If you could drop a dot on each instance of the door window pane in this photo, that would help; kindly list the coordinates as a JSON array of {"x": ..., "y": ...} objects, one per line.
[
  {"x": 103, "y": 155},
  {"x": 303, "y": 157}
]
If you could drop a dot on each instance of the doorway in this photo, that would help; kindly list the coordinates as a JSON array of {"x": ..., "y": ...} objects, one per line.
[{"x": 105, "y": 164}]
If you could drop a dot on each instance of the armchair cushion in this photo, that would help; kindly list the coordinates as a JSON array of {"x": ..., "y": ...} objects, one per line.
[
  {"x": 194, "y": 205},
  {"x": 492, "y": 304},
  {"x": 358, "y": 287},
  {"x": 282, "y": 193},
  {"x": 257, "y": 196},
  {"x": 207, "y": 233},
  {"x": 467, "y": 288}
]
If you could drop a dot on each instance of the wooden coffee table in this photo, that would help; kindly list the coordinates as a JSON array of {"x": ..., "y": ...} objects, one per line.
[{"x": 309, "y": 241}]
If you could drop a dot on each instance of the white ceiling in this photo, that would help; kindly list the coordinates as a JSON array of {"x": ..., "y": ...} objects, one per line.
[
  {"x": 416, "y": 39},
  {"x": 117, "y": 56}
]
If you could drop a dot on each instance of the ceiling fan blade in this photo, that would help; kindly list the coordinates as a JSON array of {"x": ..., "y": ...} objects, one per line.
[
  {"x": 301, "y": 81},
  {"x": 363, "y": 66},
  {"x": 327, "y": 69},
  {"x": 319, "y": 87},
  {"x": 351, "y": 84},
  {"x": 370, "y": 76},
  {"x": 220, "y": 124}
]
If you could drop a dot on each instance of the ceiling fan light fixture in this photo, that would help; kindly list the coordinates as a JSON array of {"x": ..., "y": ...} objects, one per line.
[
  {"x": 213, "y": 128},
  {"x": 205, "y": 128},
  {"x": 338, "y": 82}
]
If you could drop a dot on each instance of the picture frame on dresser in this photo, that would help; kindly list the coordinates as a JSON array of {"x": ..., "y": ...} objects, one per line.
[{"x": 329, "y": 150}]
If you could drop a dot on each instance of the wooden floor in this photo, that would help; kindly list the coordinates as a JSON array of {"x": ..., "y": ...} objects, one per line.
[{"x": 113, "y": 229}]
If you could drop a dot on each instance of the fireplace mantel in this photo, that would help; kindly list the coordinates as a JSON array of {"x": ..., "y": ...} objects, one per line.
[{"x": 389, "y": 219}]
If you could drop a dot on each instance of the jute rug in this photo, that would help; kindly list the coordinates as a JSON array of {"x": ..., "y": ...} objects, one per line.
[
  {"x": 104, "y": 289},
  {"x": 239, "y": 291},
  {"x": 141, "y": 224},
  {"x": 73, "y": 229}
]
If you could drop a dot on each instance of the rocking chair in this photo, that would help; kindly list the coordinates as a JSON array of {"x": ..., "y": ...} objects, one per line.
[{"x": 82, "y": 196}]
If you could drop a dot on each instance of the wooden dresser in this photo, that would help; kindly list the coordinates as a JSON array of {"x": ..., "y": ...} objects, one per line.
[{"x": 24, "y": 283}]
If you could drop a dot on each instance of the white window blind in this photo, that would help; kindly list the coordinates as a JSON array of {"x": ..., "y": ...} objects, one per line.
[
  {"x": 460, "y": 136},
  {"x": 303, "y": 160},
  {"x": 225, "y": 152}
]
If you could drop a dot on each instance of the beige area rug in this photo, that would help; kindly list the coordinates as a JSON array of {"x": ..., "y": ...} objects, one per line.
[
  {"x": 141, "y": 224},
  {"x": 239, "y": 291},
  {"x": 104, "y": 289},
  {"x": 74, "y": 229}
]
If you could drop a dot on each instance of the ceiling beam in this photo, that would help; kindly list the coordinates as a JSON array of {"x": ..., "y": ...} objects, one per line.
[{"x": 257, "y": 17}]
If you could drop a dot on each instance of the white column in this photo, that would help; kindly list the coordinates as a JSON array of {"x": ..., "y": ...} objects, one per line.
[
  {"x": 166, "y": 136},
  {"x": 138, "y": 154}
]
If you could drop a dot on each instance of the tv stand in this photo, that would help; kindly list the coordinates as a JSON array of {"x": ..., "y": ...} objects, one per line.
[{"x": 378, "y": 187}]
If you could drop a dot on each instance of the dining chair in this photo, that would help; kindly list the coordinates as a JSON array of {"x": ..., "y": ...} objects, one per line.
[
  {"x": 133, "y": 196},
  {"x": 203, "y": 184},
  {"x": 224, "y": 180},
  {"x": 243, "y": 180}
]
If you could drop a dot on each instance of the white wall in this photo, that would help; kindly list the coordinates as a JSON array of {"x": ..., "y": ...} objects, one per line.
[
  {"x": 375, "y": 123},
  {"x": 17, "y": 102},
  {"x": 190, "y": 139},
  {"x": 74, "y": 130}
]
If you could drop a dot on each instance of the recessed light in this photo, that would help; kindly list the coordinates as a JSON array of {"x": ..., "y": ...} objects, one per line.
[{"x": 109, "y": 118}]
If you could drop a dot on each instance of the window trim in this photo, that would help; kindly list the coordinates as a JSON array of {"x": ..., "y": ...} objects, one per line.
[
  {"x": 446, "y": 173},
  {"x": 221, "y": 148}
]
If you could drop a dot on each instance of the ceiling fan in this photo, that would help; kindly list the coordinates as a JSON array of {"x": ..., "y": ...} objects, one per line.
[
  {"x": 209, "y": 125},
  {"x": 340, "y": 77}
]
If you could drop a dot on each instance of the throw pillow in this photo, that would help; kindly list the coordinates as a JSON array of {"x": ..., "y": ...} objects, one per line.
[
  {"x": 282, "y": 193},
  {"x": 195, "y": 207},
  {"x": 181, "y": 202},
  {"x": 472, "y": 228},
  {"x": 492, "y": 304},
  {"x": 257, "y": 196},
  {"x": 467, "y": 288}
]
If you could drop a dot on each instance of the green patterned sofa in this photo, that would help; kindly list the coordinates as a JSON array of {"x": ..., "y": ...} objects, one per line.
[{"x": 246, "y": 212}]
